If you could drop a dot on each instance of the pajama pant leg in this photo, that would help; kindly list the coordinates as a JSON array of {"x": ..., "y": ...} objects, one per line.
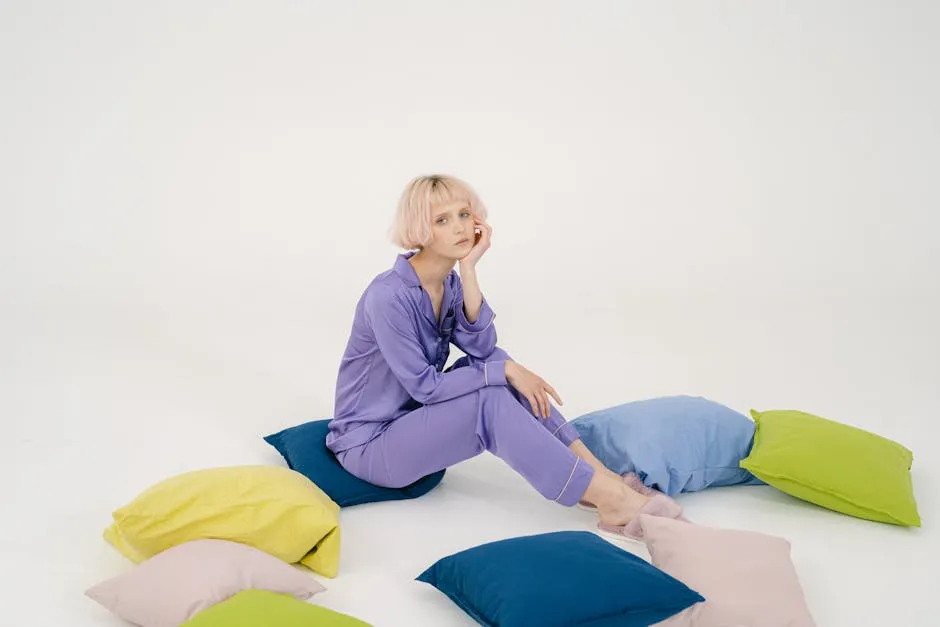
[
  {"x": 555, "y": 423},
  {"x": 440, "y": 435}
]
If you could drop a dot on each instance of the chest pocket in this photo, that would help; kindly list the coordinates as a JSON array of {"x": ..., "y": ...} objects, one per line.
[
  {"x": 443, "y": 343},
  {"x": 447, "y": 324}
]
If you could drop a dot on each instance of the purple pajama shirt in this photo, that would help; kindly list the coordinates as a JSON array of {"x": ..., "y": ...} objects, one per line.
[{"x": 400, "y": 416}]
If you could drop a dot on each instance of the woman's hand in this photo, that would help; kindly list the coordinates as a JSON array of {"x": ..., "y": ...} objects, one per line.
[
  {"x": 533, "y": 387},
  {"x": 481, "y": 243}
]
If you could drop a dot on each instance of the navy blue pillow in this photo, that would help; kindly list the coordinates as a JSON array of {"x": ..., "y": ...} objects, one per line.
[
  {"x": 304, "y": 449},
  {"x": 556, "y": 579}
]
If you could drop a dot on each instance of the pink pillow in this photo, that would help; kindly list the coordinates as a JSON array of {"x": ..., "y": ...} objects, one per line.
[
  {"x": 747, "y": 578},
  {"x": 172, "y": 586}
]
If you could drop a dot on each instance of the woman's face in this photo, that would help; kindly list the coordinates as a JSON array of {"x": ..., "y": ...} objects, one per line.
[{"x": 452, "y": 230}]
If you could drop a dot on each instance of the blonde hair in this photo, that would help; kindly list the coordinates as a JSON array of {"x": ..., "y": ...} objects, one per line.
[{"x": 411, "y": 229}]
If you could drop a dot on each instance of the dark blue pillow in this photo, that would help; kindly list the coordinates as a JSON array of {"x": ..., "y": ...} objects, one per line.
[
  {"x": 556, "y": 579},
  {"x": 304, "y": 449}
]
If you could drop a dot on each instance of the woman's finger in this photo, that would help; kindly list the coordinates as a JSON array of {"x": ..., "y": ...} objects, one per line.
[
  {"x": 544, "y": 404},
  {"x": 538, "y": 403},
  {"x": 486, "y": 231},
  {"x": 533, "y": 404},
  {"x": 554, "y": 394}
]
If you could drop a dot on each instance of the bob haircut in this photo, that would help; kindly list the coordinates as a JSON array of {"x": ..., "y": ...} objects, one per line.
[{"x": 411, "y": 229}]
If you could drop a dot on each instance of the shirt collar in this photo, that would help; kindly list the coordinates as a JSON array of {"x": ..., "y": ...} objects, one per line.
[{"x": 406, "y": 271}]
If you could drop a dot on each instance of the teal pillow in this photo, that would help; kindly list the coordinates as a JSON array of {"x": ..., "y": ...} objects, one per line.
[
  {"x": 304, "y": 449},
  {"x": 558, "y": 579}
]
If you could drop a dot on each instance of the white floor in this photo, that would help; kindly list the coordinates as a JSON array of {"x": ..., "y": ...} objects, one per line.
[
  {"x": 97, "y": 418},
  {"x": 733, "y": 200}
]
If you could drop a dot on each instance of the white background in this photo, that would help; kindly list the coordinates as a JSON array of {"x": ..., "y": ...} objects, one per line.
[{"x": 730, "y": 199}]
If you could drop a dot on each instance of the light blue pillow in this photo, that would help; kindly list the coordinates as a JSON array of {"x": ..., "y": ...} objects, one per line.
[
  {"x": 558, "y": 579},
  {"x": 674, "y": 443}
]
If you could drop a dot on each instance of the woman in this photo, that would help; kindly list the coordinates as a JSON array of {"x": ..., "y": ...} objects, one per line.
[{"x": 400, "y": 416}]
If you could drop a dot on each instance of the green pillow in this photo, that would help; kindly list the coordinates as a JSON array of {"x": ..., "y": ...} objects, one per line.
[
  {"x": 833, "y": 465},
  {"x": 252, "y": 607}
]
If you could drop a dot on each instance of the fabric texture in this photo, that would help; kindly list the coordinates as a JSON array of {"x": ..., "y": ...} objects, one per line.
[
  {"x": 396, "y": 352},
  {"x": 173, "y": 586},
  {"x": 674, "y": 443},
  {"x": 304, "y": 449},
  {"x": 558, "y": 579},
  {"x": 447, "y": 433},
  {"x": 833, "y": 465},
  {"x": 746, "y": 578},
  {"x": 261, "y": 608},
  {"x": 658, "y": 505},
  {"x": 274, "y": 509}
]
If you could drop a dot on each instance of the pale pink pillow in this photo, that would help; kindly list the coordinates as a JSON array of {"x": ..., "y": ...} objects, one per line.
[
  {"x": 747, "y": 578},
  {"x": 172, "y": 586}
]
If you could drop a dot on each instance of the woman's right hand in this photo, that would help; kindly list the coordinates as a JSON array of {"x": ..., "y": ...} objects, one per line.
[{"x": 533, "y": 387}]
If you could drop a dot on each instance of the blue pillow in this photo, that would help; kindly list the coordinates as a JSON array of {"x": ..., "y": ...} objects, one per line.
[
  {"x": 674, "y": 444},
  {"x": 304, "y": 449},
  {"x": 556, "y": 579}
]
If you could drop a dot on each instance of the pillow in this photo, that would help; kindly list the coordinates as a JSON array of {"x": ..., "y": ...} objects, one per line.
[
  {"x": 555, "y": 579},
  {"x": 747, "y": 578},
  {"x": 257, "y": 608},
  {"x": 273, "y": 509},
  {"x": 833, "y": 465},
  {"x": 304, "y": 449},
  {"x": 172, "y": 586},
  {"x": 674, "y": 443}
]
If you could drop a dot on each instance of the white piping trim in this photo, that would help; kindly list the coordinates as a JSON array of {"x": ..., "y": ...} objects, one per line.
[
  {"x": 486, "y": 379},
  {"x": 488, "y": 325},
  {"x": 560, "y": 427},
  {"x": 573, "y": 468}
]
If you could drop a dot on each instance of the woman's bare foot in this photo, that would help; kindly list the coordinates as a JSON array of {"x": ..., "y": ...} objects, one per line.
[
  {"x": 582, "y": 451},
  {"x": 616, "y": 503},
  {"x": 578, "y": 448},
  {"x": 622, "y": 510},
  {"x": 605, "y": 472}
]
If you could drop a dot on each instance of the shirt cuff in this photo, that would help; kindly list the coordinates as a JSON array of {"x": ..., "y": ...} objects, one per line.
[
  {"x": 484, "y": 320},
  {"x": 494, "y": 372}
]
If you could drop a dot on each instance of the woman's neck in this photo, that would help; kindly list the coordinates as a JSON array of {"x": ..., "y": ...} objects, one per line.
[{"x": 431, "y": 269}]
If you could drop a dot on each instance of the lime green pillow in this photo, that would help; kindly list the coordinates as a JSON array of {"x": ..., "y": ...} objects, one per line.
[
  {"x": 252, "y": 608},
  {"x": 835, "y": 466}
]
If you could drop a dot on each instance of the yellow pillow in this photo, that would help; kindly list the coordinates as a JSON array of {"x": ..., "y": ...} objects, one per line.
[{"x": 271, "y": 508}]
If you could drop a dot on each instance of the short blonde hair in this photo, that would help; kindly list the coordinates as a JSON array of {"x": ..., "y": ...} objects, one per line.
[{"x": 411, "y": 229}]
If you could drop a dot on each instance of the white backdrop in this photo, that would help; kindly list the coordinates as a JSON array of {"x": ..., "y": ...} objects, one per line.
[{"x": 731, "y": 199}]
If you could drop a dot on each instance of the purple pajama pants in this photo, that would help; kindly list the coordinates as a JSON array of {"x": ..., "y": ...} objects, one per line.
[{"x": 496, "y": 419}]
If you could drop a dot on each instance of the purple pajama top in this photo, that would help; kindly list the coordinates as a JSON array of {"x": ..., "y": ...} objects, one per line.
[{"x": 394, "y": 359}]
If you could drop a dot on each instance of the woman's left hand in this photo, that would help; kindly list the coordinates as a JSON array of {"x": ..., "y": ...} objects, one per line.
[
  {"x": 533, "y": 387},
  {"x": 481, "y": 245}
]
